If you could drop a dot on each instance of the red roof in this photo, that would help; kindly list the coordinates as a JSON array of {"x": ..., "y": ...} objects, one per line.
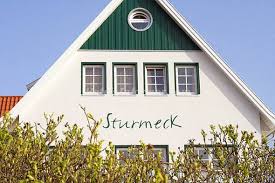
[{"x": 7, "y": 103}]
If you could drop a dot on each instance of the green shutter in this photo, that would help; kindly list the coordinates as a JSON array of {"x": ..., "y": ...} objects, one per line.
[{"x": 116, "y": 34}]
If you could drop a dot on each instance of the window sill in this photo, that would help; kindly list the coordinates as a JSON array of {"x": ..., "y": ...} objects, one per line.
[
  {"x": 187, "y": 95},
  {"x": 125, "y": 94},
  {"x": 93, "y": 95},
  {"x": 156, "y": 94}
]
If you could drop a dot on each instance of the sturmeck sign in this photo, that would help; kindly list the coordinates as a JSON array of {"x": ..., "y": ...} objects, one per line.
[{"x": 116, "y": 123}]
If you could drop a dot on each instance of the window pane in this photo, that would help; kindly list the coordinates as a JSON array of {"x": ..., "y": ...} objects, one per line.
[
  {"x": 120, "y": 71},
  {"x": 140, "y": 25},
  {"x": 98, "y": 71},
  {"x": 203, "y": 154},
  {"x": 160, "y": 80},
  {"x": 89, "y": 71},
  {"x": 182, "y": 88},
  {"x": 160, "y": 72},
  {"x": 98, "y": 79},
  {"x": 182, "y": 80},
  {"x": 151, "y": 88},
  {"x": 124, "y": 153},
  {"x": 130, "y": 79},
  {"x": 181, "y": 71},
  {"x": 120, "y": 79},
  {"x": 160, "y": 88},
  {"x": 129, "y": 71},
  {"x": 190, "y": 88},
  {"x": 89, "y": 79},
  {"x": 98, "y": 88},
  {"x": 88, "y": 88},
  {"x": 120, "y": 88},
  {"x": 150, "y": 72},
  {"x": 190, "y": 71},
  {"x": 129, "y": 88},
  {"x": 162, "y": 152},
  {"x": 151, "y": 80},
  {"x": 190, "y": 80}
]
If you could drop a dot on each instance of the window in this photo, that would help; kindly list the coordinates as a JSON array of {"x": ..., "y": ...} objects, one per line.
[
  {"x": 156, "y": 79},
  {"x": 157, "y": 149},
  {"x": 140, "y": 19},
  {"x": 207, "y": 154},
  {"x": 186, "y": 79},
  {"x": 125, "y": 79},
  {"x": 203, "y": 154},
  {"x": 93, "y": 79}
]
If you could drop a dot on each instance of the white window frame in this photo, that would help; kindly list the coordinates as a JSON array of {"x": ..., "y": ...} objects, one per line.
[
  {"x": 211, "y": 155},
  {"x": 143, "y": 11},
  {"x": 84, "y": 79},
  {"x": 155, "y": 149},
  {"x": 165, "y": 79},
  {"x": 197, "y": 149},
  {"x": 115, "y": 79},
  {"x": 195, "y": 79}
]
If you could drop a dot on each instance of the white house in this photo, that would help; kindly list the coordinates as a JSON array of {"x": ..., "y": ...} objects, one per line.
[{"x": 146, "y": 72}]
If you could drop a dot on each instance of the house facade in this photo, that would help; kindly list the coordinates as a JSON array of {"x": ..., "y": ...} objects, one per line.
[{"x": 144, "y": 70}]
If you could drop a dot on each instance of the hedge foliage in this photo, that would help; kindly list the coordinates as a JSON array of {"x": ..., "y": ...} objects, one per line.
[{"x": 30, "y": 154}]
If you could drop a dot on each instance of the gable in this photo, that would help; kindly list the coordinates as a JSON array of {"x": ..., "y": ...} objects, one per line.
[
  {"x": 116, "y": 34},
  {"x": 42, "y": 85}
]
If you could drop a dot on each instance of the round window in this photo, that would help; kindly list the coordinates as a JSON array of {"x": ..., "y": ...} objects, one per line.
[{"x": 140, "y": 19}]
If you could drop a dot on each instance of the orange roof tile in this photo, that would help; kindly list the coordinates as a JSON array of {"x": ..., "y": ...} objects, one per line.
[{"x": 7, "y": 103}]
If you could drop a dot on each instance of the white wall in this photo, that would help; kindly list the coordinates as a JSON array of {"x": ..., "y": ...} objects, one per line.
[{"x": 220, "y": 102}]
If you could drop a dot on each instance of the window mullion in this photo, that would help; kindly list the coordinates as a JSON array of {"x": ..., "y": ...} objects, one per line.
[
  {"x": 115, "y": 80},
  {"x": 155, "y": 83},
  {"x": 164, "y": 79},
  {"x": 177, "y": 80},
  {"x": 124, "y": 79},
  {"x": 102, "y": 81},
  {"x": 195, "y": 80},
  {"x": 93, "y": 84},
  {"x": 186, "y": 84}
]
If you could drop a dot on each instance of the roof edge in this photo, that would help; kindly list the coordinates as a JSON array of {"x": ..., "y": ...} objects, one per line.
[
  {"x": 79, "y": 41},
  {"x": 185, "y": 25}
]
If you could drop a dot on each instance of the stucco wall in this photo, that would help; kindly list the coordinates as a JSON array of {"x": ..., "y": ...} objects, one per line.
[{"x": 219, "y": 102}]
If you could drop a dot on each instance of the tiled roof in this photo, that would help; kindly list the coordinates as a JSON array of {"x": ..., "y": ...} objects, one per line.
[{"x": 7, "y": 103}]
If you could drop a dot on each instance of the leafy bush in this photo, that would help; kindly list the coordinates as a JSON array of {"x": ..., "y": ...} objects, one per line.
[{"x": 31, "y": 155}]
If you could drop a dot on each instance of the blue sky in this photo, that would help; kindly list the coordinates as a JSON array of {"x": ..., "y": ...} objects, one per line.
[{"x": 33, "y": 34}]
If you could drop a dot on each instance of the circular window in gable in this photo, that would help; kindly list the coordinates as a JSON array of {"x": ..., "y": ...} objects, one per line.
[{"x": 140, "y": 19}]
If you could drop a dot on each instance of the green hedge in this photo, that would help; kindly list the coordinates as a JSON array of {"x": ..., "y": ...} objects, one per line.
[{"x": 33, "y": 154}]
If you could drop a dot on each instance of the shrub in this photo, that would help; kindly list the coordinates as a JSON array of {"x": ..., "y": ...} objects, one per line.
[{"x": 31, "y": 155}]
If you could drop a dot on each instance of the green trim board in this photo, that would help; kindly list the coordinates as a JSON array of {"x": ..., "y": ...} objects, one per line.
[
  {"x": 125, "y": 63},
  {"x": 166, "y": 147},
  {"x": 94, "y": 63},
  {"x": 197, "y": 74},
  {"x": 116, "y": 34},
  {"x": 155, "y": 64}
]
